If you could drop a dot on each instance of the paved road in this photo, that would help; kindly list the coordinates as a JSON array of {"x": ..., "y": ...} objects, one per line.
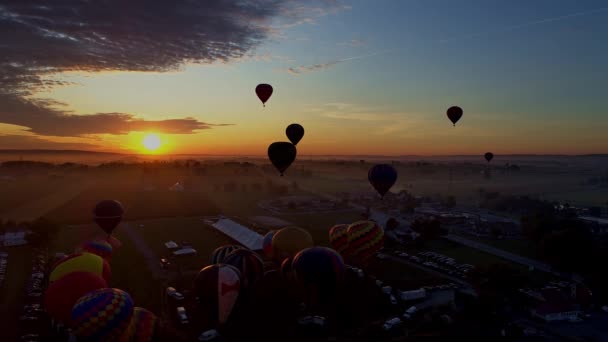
[{"x": 144, "y": 249}]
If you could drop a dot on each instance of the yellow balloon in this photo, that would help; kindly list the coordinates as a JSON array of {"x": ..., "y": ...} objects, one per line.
[
  {"x": 81, "y": 262},
  {"x": 288, "y": 241}
]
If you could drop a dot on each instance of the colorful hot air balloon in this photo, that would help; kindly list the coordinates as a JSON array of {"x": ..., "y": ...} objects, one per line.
[
  {"x": 338, "y": 238},
  {"x": 319, "y": 270},
  {"x": 489, "y": 156},
  {"x": 249, "y": 264},
  {"x": 454, "y": 114},
  {"x": 282, "y": 154},
  {"x": 108, "y": 214},
  {"x": 220, "y": 253},
  {"x": 102, "y": 315},
  {"x": 294, "y": 132},
  {"x": 382, "y": 177},
  {"x": 288, "y": 241},
  {"x": 143, "y": 327},
  {"x": 81, "y": 262},
  {"x": 365, "y": 238},
  {"x": 267, "y": 243},
  {"x": 97, "y": 247},
  {"x": 287, "y": 269},
  {"x": 61, "y": 295},
  {"x": 263, "y": 91},
  {"x": 217, "y": 288}
]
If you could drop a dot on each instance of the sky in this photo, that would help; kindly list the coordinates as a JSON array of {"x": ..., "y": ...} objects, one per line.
[{"x": 370, "y": 77}]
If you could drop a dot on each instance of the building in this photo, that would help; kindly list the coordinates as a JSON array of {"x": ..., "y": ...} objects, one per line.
[
  {"x": 239, "y": 233},
  {"x": 597, "y": 226},
  {"x": 552, "y": 304}
]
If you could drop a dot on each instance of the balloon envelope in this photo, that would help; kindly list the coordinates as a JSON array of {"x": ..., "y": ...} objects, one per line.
[
  {"x": 338, "y": 238},
  {"x": 365, "y": 238},
  {"x": 263, "y": 91},
  {"x": 220, "y": 253},
  {"x": 288, "y": 241},
  {"x": 267, "y": 243},
  {"x": 97, "y": 247},
  {"x": 489, "y": 156},
  {"x": 143, "y": 327},
  {"x": 108, "y": 214},
  {"x": 454, "y": 114},
  {"x": 249, "y": 264},
  {"x": 382, "y": 177},
  {"x": 61, "y": 295},
  {"x": 217, "y": 288},
  {"x": 102, "y": 315},
  {"x": 81, "y": 262},
  {"x": 295, "y": 132},
  {"x": 319, "y": 270},
  {"x": 282, "y": 154}
]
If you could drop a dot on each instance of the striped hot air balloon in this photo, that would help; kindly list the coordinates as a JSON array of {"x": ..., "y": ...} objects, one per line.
[
  {"x": 143, "y": 327},
  {"x": 249, "y": 264},
  {"x": 81, "y": 262},
  {"x": 98, "y": 247},
  {"x": 220, "y": 253},
  {"x": 217, "y": 288},
  {"x": 365, "y": 238},
  {"x": 102, "y": 315},
  {"x": 288, "y": 241},
  {"x": 338, "y": 238}
]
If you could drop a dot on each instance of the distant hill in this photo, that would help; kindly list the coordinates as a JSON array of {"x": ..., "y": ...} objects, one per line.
[{"x": 60, "y": 152}]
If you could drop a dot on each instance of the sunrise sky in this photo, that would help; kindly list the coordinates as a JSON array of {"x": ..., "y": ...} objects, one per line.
[{"x": 362, "y": 77}]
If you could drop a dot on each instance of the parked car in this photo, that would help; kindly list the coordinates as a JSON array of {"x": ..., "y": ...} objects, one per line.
[
  {"x": 209, "y": 335},
  {"x": 164, "y": 263},
  {"x": 172, "y": 292},
  {"x": 181, "y": 314}
]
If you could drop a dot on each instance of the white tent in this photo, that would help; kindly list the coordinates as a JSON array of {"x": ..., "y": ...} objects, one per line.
[
  {"x": 185, "y": 251},
  {"x": 177, "y": 187},
  {"x": 239, "y": 233},
  {"x": 171, "y": 245}
]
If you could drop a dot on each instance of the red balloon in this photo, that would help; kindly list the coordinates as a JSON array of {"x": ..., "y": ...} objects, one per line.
[
  {"x": 61, "y": 295},
  {"x": 264, "y": 91}
]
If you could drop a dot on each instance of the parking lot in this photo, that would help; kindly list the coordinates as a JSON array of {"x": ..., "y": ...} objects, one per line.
[{"x": 433, "y": 260}]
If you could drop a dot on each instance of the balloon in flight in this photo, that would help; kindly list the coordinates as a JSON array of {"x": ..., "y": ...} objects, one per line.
[
  {"x": 108, "y": 214},
  {"x": 382, "y": 177},
  {"x": 282, "y": 154},
  {"x": 454, "y": 114},
  {"x": 294, "y": 132},
  {"x": 263, "y": 91},
  {"x": 489, "y": 156}
]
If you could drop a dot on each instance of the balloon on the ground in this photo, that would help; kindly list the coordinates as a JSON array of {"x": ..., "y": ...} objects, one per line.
[
  {"x": 263, "y": 91},
  {"x": 217, "y": 288},
  {"x": 489, "y": 156},
  {"x": 143, "y": 327},
  {"x": 249, "y": 264},
  {"x": 319, "y": 270},
  {"x": 338, "y": 238},
  {"x": 454, "y": 114},
  {"x": 382, "y": 177},
  {"x": 98, "y": 247},
  {"x": 282, "y": 154},
  {"x": 61, "y": 295},
  {"x": 108, "y": 214},
  {"x": 365, "y": 238},
  {"x": 288, "y": 241},
  {"x": 81, "y": 262},
  {"x": 267, "y": 243},
  {"x": 102, "y": 315},
  {"x": 220, "y": 253},
  {"x": 287, "y": 269},
  {"x": 294, "y": 132}
]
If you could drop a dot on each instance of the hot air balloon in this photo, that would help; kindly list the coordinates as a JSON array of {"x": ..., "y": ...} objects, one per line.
[
  {"x": 454, "y": 114},
  {"x": 488, "y": 156},
  {"x": 282, "y": 154},
  {"x": 365, "y": 238},
  {"x": 97, "y": 247},
  {"x": 249, "y": 264},
  {"x": 294, "y": 132},
  {"x": 81, "y": 262},
  {"x": 338, "y": 238},
  {"x": 382, "y": 177},
  {"x": 144, "y": 326},
  {"x": 288, "y": 241},
  {"x": 61, "y": 295},
  {"x": 267, "y": 243},
  {"x": 217, "y": 288},
  {"x": 264, "y": 91},
  {"x": 287, "y": 269},
  {"x": 102, "y": 315},
  {"x": 108, "y": 214},
  {"x": 220, "y": 253},
  {"x": 319, "y": 270}
]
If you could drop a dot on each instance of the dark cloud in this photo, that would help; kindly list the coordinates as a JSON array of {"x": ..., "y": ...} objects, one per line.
[
  {"x": 39, "y": 39},
  {"x": 31, "y": 142}
]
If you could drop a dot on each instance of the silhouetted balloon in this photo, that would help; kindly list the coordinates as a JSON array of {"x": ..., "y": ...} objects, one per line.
[
  {"x": 365, "y": 238},
  {"x": 295, "y": 132},
  {"x": 319, "y": 270},
  {"x": 220, "y": 253},
  {"x": 382, "y": 177},
  {"x": 282, "y": 154},
  {"x": 102, "y": 315},
  {"x": 267, "y": 243},
  {"x": 454, "y": 114},
  {"x": 288, "y": 241},
  {"x": 217, "y": 288},
  {"x": 488, "y": 156},
  {"x": 248, "y": 263},
  {"x": 108, "y": 214},
  {"x": 338, "y": 238},
  {"x": 264, "y": 91}
]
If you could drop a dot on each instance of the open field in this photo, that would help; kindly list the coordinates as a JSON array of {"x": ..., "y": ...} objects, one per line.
[{"x": 521, "y": 246}]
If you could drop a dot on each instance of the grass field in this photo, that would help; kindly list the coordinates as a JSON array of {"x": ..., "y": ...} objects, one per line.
[
  {"x": 519, "y": 247},
  {"x": 18, "y": 271},
  {"x": 401, "y": 276}
]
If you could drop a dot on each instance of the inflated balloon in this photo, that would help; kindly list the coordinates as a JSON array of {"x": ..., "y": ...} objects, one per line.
[
  {"x": 220, "y": 253},
  {"x": 217, "y": 288},
  {"x": 108, "y": 214},
  {"x": 365, "y": 238},
  {"x": 263, "y": 91},
  {"x": 294, "y": 132},
  {"x": 288, "y": 241},
  {"x": 97, "y": 247},
  {"x": 382, "y": 177},
  {"x": 267, "y": 243},
  {"x": 287, "y": 269},
  {"x": 282, "y": 154},
  {"x": 319, "y": 270},
  {"x": 102, "y": 315},
  {"x": 338, "y": 238},
  {"x": 61, "y": 295},
  {"x": 81, "y": 262},
  {"x": 489, "y": 156},
  {"x": 143, "y": 327},
  {"x": 454, "y": 114},
  {"x": 249, "y": 264}
]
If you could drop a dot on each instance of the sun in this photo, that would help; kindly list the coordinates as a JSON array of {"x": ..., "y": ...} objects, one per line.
[{"x": 151, "y": 142}]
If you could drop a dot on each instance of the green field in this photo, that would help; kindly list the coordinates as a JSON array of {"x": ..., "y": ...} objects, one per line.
[{"x": 519, "y": 247}]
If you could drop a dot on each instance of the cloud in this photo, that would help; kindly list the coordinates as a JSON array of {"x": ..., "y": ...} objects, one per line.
[
  {"x": 32, "y": 142},
  {"x": 316, "y": 67},
  {"x": 353, "y": 43},
  {"x": 41, "y": 39}
]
